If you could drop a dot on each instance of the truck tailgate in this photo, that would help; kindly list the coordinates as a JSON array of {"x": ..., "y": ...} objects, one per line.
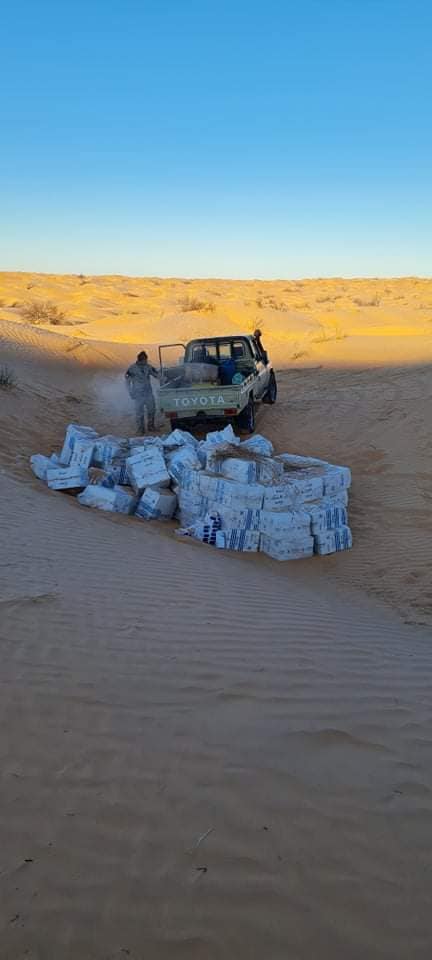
[{"x": 192, "y": 400}]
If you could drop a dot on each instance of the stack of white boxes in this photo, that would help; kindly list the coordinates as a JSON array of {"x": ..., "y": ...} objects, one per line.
[
  {"x": 69, "y": 471},
  {"x": 288, "y": 507},
  {"x": 132, "y": 475},
  {"x": 236, "y": 496}
]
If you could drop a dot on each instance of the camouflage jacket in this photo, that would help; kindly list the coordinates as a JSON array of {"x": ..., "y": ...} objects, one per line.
[{"x": 138, "y": 378}]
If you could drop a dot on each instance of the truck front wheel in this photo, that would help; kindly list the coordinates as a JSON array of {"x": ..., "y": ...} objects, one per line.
[{"x": 246, "y": 419}]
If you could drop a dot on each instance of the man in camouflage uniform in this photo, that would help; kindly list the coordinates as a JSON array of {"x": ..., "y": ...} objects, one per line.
[{"x": 139, "y": 386}]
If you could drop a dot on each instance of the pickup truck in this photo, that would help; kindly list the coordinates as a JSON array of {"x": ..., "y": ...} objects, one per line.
[{"x": 216, "y": 378}]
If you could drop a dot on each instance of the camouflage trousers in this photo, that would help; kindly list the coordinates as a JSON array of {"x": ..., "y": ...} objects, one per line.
[{"x": 144, "y": 403}]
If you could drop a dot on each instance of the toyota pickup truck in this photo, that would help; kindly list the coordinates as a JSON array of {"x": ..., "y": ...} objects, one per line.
[{"x": 216, "y": 378}]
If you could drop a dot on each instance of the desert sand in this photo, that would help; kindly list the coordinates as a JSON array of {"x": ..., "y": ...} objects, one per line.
[{"x": 210, "y": 755}]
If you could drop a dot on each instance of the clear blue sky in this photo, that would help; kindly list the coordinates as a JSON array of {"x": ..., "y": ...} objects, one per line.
[{"x": 216, "y": 137}]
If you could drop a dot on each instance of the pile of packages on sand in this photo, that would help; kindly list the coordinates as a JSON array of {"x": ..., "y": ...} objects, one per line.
[{"x": 231, "y": 494}]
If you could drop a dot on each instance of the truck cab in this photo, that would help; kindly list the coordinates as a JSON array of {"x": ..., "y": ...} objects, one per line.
[
  {"x": 219, "y": 378},
  {"x": 241, "y": 354}
]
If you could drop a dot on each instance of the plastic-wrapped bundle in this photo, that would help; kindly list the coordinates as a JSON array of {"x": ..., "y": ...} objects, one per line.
[
  {"x": 226, "y": 435},
  {"x": 258, "y": 444},
  {"x": 113, "y": 499},
  {"x": 215, "y": 438},
  {"x": 292, "y": 548},
  {"x": 40, "y": 464},
  {"x": 333, "y": 541},
  {"x": 199, "y": 372},
  {"x": 156, "y": 504},
  {"x": 179, "y": 438},
  {"x": 74, "y": 432}
]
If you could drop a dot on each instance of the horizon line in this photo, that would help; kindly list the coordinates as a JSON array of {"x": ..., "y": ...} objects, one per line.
[{"x": 258, "y": 279}]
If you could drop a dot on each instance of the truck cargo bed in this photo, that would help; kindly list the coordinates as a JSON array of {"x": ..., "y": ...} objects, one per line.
[{"x": 208, "y": 399}]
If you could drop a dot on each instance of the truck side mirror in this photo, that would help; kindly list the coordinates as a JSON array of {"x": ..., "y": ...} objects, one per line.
[{"x": 265, "y": 356}]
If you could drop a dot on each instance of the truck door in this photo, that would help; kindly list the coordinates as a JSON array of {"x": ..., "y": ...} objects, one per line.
[{"x": 261, "y": 369}]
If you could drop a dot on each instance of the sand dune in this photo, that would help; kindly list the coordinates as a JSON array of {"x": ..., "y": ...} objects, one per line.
[
  {"x": 327, "y": 321},
  {"x": 211, "y": 755}
]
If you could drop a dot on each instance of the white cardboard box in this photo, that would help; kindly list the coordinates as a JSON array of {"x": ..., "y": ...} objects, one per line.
[
  {"x": 246, "y": 471},
  {"x": 82, "y": 453},
  {"x": 183, "y": 458},
  {"x": 294, "y": 549},
  {"x": 336, "y": 479},
  {"x": 240, "y": 495},
  {"x": 108, "y": 447},
  {"x": 293, "y": 492},
  {"x": 189, "y": 481},
  {"x": 147, "y": 469},
  {"x": 333, "y": 541},
  {"x": 40, "y": 464},
  {"x": 156, "y": 504},
  {"x": 73, "y": 432},
  {"x": 117, "y": 471},
  {"x": 113, "y": 499},
  {"x": 328, "y": 515},
  {"x": 232, "y": 517},
  {"x": 244, "y": 541},
  {"x": 279, "y": 525},
  {"x": 66, "y": 478},
  {"x": 179, "y": 438}
]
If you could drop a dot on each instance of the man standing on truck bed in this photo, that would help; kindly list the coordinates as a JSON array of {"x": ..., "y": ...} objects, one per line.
[{"x": 140, "y": 388}]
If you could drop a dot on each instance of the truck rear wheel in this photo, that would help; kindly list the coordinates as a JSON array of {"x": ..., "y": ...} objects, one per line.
[
  {"x": 246, "y": 419},
  {"x": 271, "y": 392}
]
